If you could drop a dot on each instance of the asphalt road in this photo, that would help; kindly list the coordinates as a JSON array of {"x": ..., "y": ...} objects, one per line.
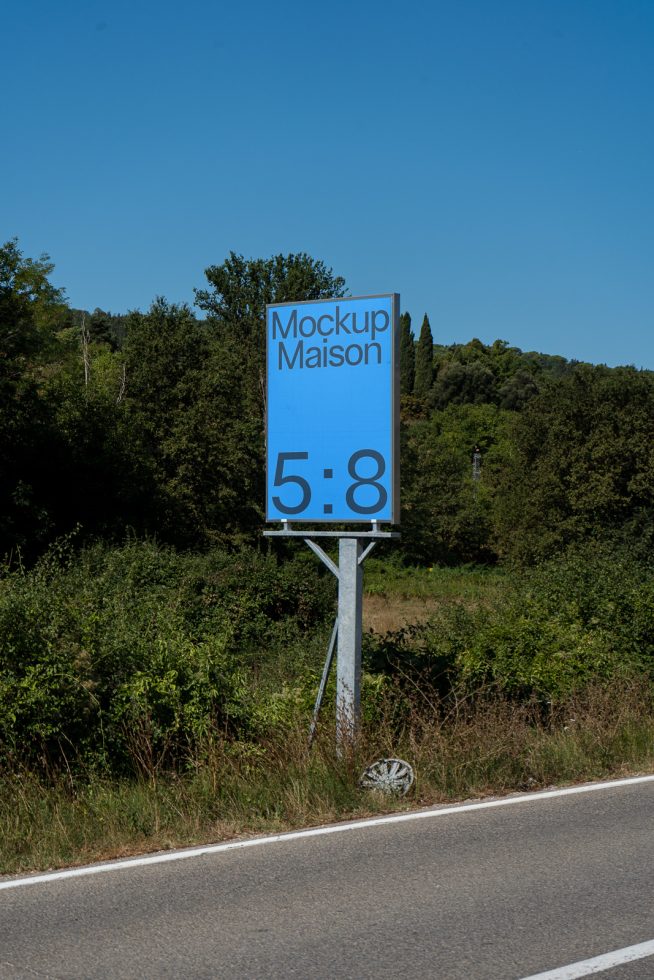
[{"x": 504, "y": 892}]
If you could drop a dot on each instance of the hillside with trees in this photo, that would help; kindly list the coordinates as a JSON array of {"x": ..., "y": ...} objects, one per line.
[
  {"x": 154, "y": 422},
  {"x": 148, "y": 632}
]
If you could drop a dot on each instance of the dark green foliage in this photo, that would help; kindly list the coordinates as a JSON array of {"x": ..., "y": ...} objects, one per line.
[
  {"x": 464, "y": 384},
  {"x": 117, "y": 658},
  {"x": 424, "y": 375},
  {"x": 582, "y": 467},
  {"x": 241, "y": 288},
  {"x": 26, "y": 292},
  {"x": 446, "y": 516},
  {"x": 99, "y": 479},
  {"x": 583, "y": 617},
  {"x": 30, "y": 311},
  {"x": 155, "y": 421},
  {"x": 100, "y": 328},
  {"x": 407, "y": 356},
  {"x": 236, "y": 304},
  {"x": 517, "y": 390},
  {"x": 195, "y": 425},
  {"x": 551, "y": 366},
  {"x": 140, "y": 658},
  {"x": 103, "y": 327},
  {"x": 475, "y": 373}
]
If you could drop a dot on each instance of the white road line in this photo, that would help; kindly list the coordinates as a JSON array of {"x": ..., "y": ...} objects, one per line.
[
  {"x": 337, "y": 828},
  {"x": 597, "y": 964}
]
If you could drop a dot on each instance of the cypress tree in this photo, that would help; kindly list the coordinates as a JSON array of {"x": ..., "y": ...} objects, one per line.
[
  {"x": 407, "y": 356},
  {"x": 99, "y": 327},
  {"x": 424, "y": 361}
]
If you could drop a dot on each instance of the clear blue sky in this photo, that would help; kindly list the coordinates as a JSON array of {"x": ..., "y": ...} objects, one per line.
[{"x": 491, "y": 160}]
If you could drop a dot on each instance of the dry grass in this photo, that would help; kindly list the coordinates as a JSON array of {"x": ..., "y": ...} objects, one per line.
[
  {"x": 382, "y": 614},
  {"x": 460, "y": 750},
  {"x": 399, "y": 597}
]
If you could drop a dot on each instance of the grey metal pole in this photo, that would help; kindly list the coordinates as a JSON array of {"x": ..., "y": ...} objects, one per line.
[
  {"x": 323, "y": 682},
  {"x": 348, "y": 664},
  {"x": 353, "y": 548}
]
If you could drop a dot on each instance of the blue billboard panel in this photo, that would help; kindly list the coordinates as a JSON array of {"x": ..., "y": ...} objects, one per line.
[{"x": 333, "y": 410}]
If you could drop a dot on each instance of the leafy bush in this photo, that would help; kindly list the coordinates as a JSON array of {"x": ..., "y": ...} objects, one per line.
[
  {"x": 586, "y": 616},
  {"x": 131, "y": 656},
  {"x": 580, "y": 468}
]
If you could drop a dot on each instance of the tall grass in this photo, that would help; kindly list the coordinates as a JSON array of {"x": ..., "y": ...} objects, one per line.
[
  {"x": 489, "y": 745},
  {"x": 150, "y": 699},
  {"x": 467, "y": 583}
]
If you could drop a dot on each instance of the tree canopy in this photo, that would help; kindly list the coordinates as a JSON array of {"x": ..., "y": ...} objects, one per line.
[
  {"x": 407, "y": 356},
  {"x": 154, "y": 421},
  {"x": 241, "y": 288},
  {"x": 424, "y": 371}
]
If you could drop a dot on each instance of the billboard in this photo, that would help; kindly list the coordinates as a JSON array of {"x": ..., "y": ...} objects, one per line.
[{"x": 332, "y": 430}]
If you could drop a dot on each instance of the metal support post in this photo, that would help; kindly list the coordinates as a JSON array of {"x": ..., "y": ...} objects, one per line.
[
  {"x": 353, "y": 548},
  {"x": 323, "y": 682},
  {"x": 348, "y": 663}
]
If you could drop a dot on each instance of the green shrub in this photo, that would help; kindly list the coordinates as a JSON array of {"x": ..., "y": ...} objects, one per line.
[
  {"x": 131, "y": 656},
  {"x": 588, "y": 615}
]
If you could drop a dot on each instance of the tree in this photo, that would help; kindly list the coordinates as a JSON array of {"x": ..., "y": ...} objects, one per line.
[
  {"x": 582, "y": 465},
  {"x": 518, "y": 390},
  {"x": 424, "y": 361},
  {"x": 31, "y": 309},
  {"x": 99, "y": 326},
  {"x": 240, "y": 290},
  {"x": 407, "y": 356},
  {"x": 460, "y": 384},
  {"x": 104, "y": 327},
  {"x": 25, "y": 281},
  {"x": 165, "y": 351},
  {"x": 447, "y": 516},
  {"x": 195, "y": 426}
]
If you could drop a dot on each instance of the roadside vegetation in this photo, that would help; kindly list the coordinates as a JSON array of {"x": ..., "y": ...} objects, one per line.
[
  {"x": 491, "y": 746},
  {"x": 159, "y": 661},
  {"x": 152, "y": 699}
]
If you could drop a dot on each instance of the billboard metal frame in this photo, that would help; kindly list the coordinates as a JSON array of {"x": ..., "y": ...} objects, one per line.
[
  {"x": 394, "y": 420},
  {"x": 353, "y": 548}
]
